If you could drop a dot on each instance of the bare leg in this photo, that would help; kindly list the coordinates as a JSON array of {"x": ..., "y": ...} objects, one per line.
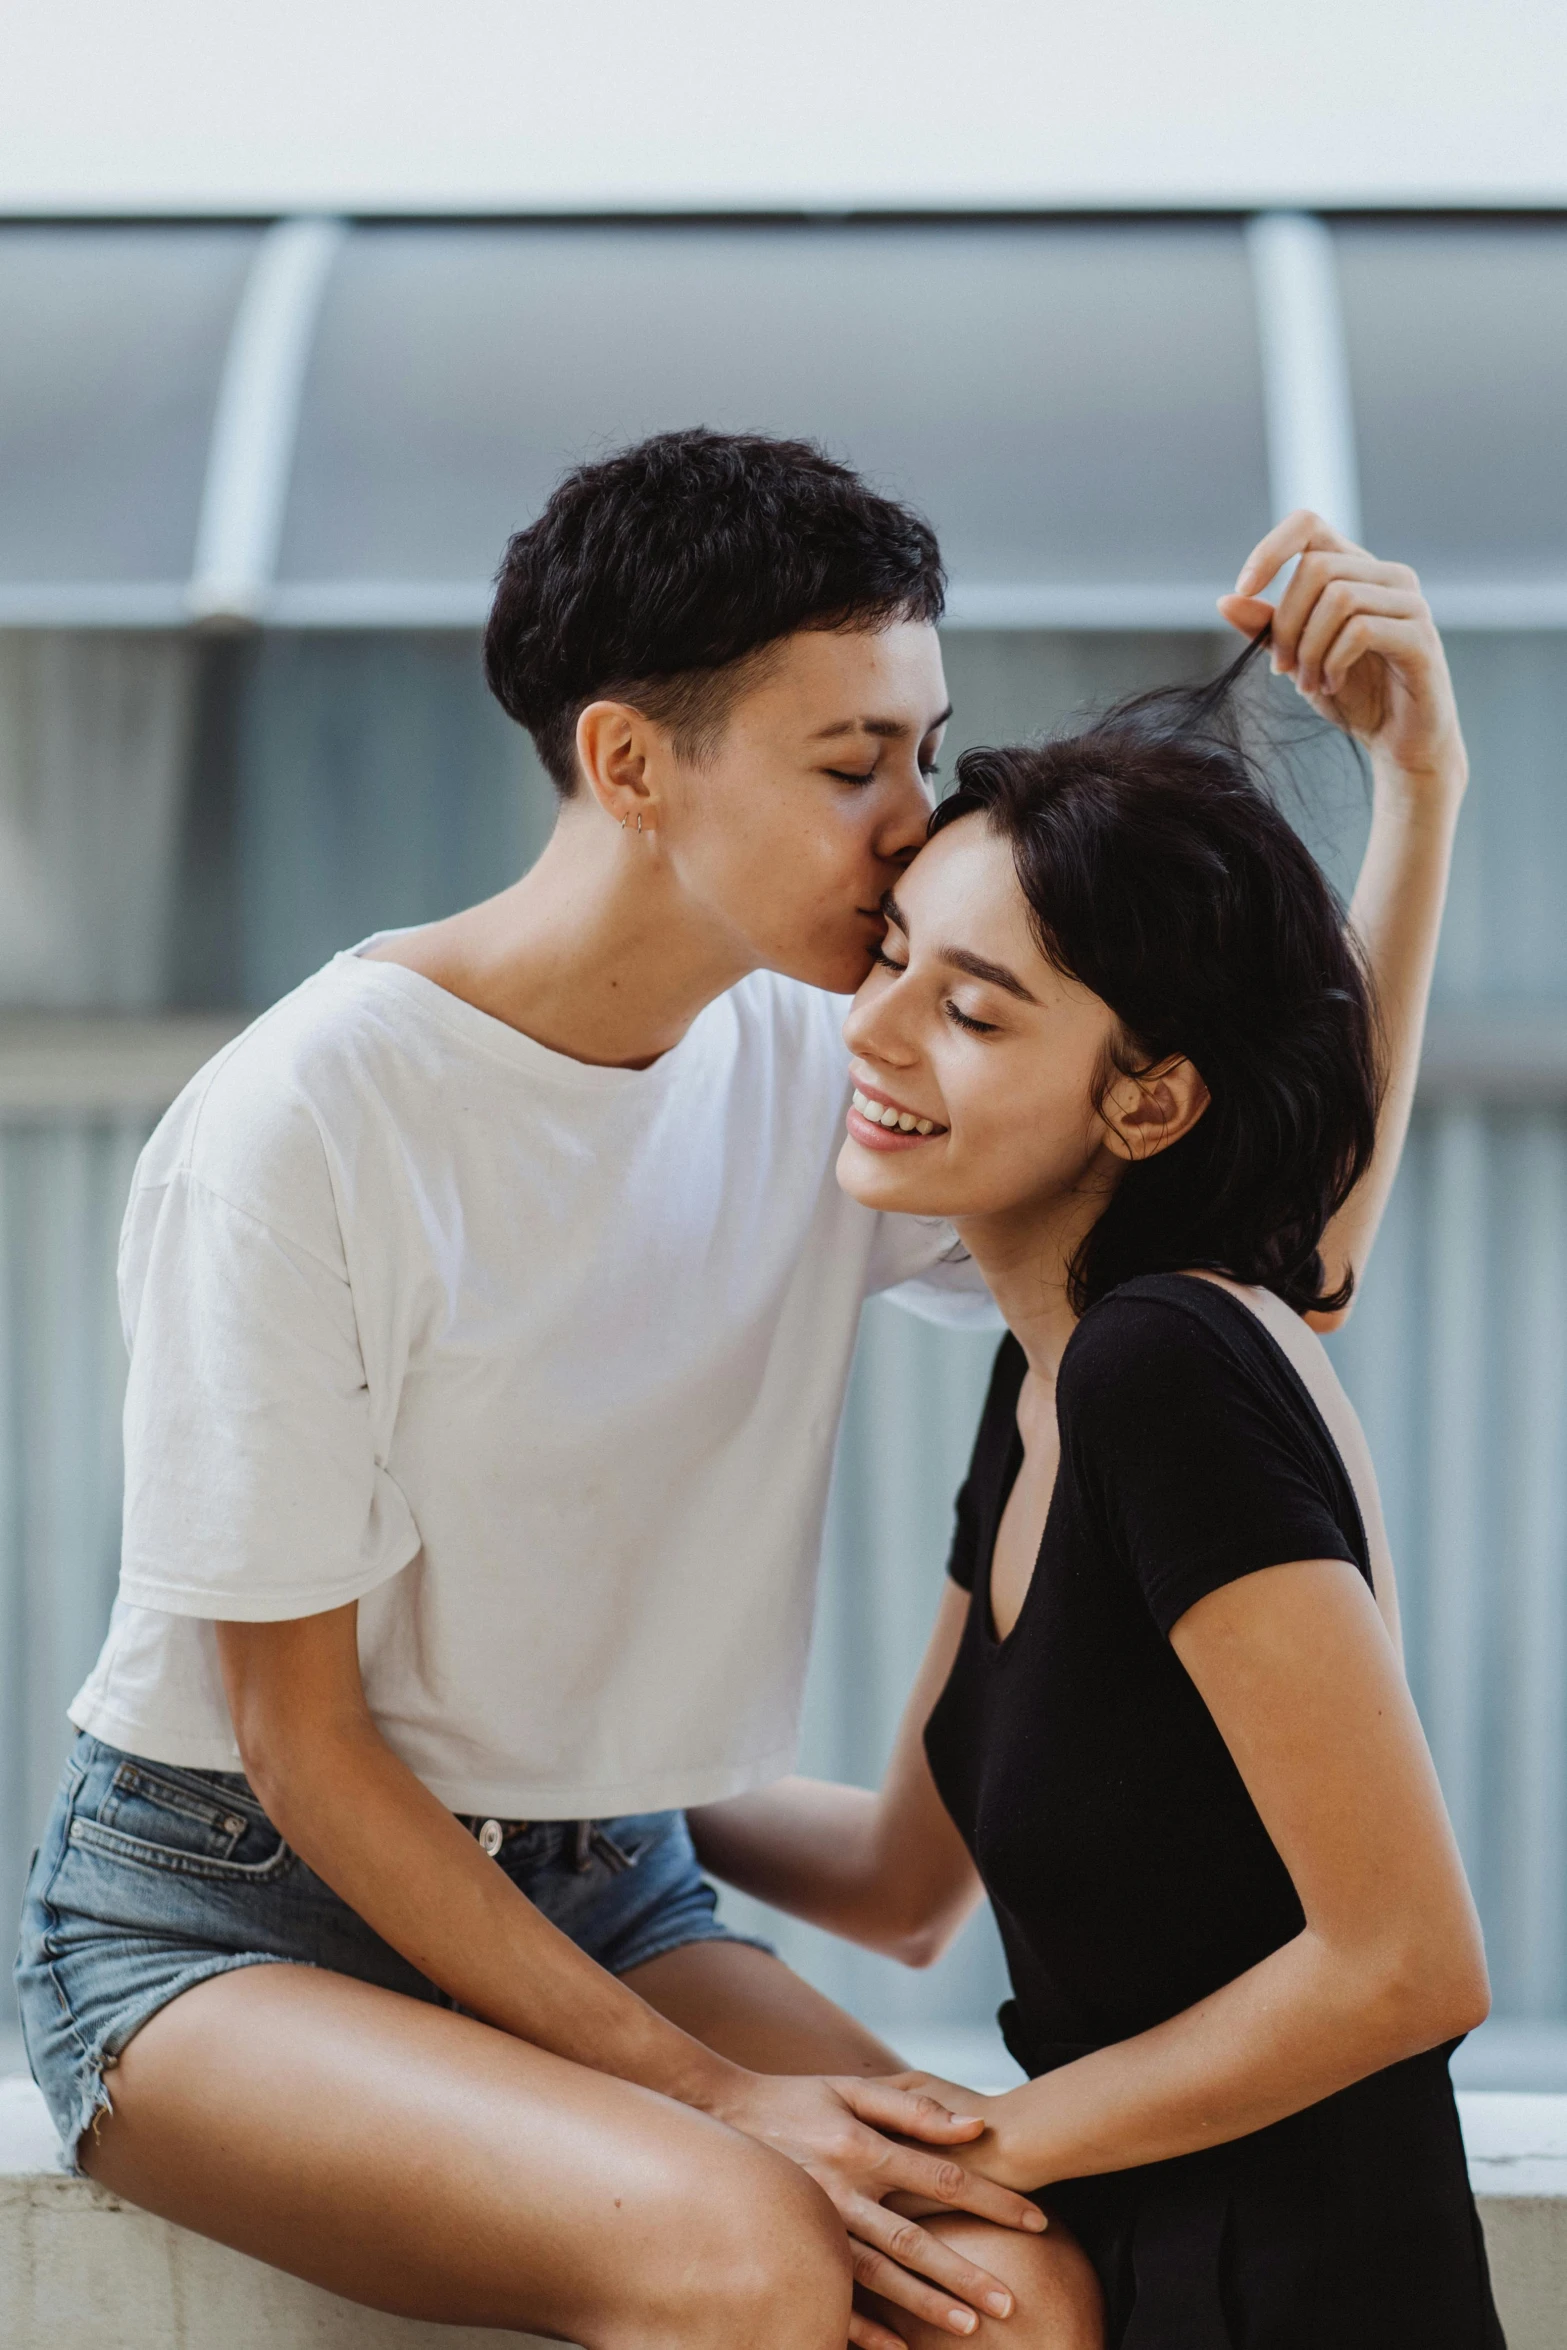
[
  {"x": 1059, "y": 2305},
  {"x": 421, "y": 2162},
  {"x": 758, "y": 2012},
  {"x": 755, "y": 2010}
]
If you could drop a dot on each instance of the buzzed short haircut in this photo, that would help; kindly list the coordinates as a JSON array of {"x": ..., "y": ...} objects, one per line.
[{"x": 660, "y": 575}]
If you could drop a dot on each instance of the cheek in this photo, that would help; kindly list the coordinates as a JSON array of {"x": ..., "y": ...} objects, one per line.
[{"x": 1021, "y": 1136}]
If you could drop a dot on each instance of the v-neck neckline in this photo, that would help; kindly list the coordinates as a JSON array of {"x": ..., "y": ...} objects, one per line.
[
  {"x": 997, "y": 1644},
  {"x": 996, "y": 1641}
]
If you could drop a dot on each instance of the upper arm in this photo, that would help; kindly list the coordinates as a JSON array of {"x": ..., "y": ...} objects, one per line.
[
  {"x": 290, "y": 1686},
  {"x": 1296, "y": 1668}
]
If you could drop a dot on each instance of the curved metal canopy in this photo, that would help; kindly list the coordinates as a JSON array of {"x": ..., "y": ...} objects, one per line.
[{"x": 316, "y": 425}]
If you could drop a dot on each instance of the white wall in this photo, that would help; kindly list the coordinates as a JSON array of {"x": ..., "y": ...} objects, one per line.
[{"x": 227, "y": 105}]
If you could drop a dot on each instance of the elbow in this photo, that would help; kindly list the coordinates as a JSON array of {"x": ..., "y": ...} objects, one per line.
[
  {"x": 263, "y": 1762},
  {"x": 1426, "y": 1998},
  {"x": 280, "y": 1762},
  {"x": 918, "y": 1947},
  {"x": 1468, "y": 2001},
  {"x": 918, "y": 1941}
]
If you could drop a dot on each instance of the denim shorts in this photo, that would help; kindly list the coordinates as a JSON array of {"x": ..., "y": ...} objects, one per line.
[{"x": 149, "y": 1879}]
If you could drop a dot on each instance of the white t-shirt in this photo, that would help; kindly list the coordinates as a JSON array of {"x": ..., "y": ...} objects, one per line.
[{"x": 541, "y": 1363}]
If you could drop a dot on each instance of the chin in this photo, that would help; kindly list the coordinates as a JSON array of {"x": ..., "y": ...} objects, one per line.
[
  {"x": 893, "y": 1184},
  {"x": 837, "y": 967}
]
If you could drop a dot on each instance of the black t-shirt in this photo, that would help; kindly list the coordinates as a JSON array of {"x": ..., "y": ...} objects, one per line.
[
  {"x": 1127, "y": 1864},
  {"x": 1129, "y": 1870}
]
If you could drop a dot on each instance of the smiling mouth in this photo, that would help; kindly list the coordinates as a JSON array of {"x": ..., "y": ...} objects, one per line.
[{"x": 879, "y": 1123}]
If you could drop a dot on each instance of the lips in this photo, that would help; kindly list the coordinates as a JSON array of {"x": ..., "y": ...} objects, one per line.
[{"x": 878, "y": 1122}]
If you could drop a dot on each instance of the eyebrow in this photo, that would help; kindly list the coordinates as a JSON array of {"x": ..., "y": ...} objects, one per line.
[
  {"x": 977, "y": 967},
  {"x": 889, "y": 729}
]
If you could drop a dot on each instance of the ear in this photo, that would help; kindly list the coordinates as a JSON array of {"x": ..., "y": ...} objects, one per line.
[
  {"x": 618, "y": 752},
  {"x": 1145, "y": 1113}
]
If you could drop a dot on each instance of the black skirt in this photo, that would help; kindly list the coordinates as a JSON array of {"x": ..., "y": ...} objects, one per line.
[{"x": 1349, "y": 2226}]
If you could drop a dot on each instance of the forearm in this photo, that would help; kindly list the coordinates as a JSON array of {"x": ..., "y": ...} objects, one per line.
[
  {"x": 810, "y": 1848},
  {"x": 886, "y": 1870},
  {"x": 373, "y": 1832},
  {"x": 1304, "y": 2023},
  {"x": 1396, "y": 913}
]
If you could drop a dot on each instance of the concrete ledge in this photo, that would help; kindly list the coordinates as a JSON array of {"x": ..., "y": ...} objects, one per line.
[{"x": 80, "y": 2270}]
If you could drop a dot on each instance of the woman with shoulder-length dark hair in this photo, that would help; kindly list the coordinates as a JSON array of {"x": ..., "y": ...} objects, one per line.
[{"x": 1119, "y": 1034}]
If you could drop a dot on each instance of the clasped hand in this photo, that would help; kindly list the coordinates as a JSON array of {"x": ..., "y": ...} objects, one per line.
[{"x": 865, "y": 2140}]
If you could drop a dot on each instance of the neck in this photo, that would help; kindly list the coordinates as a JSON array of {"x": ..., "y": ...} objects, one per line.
[
  {"x": 593, "y": 953},
  {"x": 1025, "y": 1255}
]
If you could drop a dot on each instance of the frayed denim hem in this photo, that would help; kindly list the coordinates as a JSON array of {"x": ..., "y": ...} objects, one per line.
[
  {"x": 93, "y": 2099},
  {"x": 657, "y": 1947}
]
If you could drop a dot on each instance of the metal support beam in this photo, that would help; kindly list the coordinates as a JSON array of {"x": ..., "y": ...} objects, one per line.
[
  {"x": 251, "y": 457},
  {"x": 1305, "y": 369}
]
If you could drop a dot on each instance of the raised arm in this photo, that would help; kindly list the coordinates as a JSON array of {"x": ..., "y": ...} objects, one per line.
[
  {"x": 888, "y": 1869},
  {"x": 1357, "y": 637}
]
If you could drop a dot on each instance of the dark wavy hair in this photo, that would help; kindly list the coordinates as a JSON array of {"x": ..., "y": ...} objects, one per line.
[
  {"x": 1160, "y": 872},
  {"x": 657, "y": 575}
]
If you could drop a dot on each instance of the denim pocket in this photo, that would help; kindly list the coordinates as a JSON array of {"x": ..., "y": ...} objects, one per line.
[{"x": 154, "y": 1817}]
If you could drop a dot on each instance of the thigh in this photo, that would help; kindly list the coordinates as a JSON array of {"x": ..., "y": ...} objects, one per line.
[
  {"x": 419, "y": 2161},
  {"x": 1056, "y": 2296},
  {"x": 750, "y": 2007}
]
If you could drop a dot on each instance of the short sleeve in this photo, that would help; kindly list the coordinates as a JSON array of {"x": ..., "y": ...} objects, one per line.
[
  {"x": 1203, "y": 1470},
  {"x": 252, "y": 1487}
]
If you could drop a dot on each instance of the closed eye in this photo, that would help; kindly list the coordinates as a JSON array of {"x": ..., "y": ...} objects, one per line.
[
  {"x": 965, "y": 1020},
  {"x": 840, "y": 775}
]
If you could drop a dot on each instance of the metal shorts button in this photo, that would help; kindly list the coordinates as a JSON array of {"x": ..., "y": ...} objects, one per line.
[{"x": 491, "y": 1837}]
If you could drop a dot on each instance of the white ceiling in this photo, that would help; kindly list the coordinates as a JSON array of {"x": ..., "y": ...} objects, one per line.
[{"x": 170, "y": 106}]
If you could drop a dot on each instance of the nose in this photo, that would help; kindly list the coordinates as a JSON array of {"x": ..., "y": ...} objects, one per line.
[
  {"x": 906, "y": 820},
  {"x": 874, "y": 1028}
]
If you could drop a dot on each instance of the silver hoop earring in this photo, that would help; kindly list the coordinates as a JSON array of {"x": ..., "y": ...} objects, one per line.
[
  {"x": 624, "y": 821},
  {"x": 639, "y": 820}
]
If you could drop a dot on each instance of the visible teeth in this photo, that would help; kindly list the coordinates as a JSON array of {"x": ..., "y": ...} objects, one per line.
[{"x": 883, "y": 1114}]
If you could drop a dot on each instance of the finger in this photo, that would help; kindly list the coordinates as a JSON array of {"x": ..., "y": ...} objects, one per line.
[
  {"x": 930, "y": 2258},
  {"x": 957, "y": 2189},
  {"x": 1337, "y": 605},
  {"x": 876, "y": 2272},
  {"x": 868, "y": 2333},
  {"x": 1315, "y": 575},
  {"x": 1401, "y": 643},
  {"x": 1293, "y": 536},
  {"x": 913, "y": 2113},
  {"x": 1250, "y": 614}
]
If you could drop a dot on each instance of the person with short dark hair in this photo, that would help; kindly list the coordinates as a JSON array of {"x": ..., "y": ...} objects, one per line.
[
  {"x": 1119, "y": 1035},
  {"x": 490, "y": 1306}
]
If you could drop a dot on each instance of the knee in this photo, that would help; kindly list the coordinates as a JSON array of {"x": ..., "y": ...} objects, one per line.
[
  {"x": 782, "y": 2278},
  {"x": 1057, "y": 2301}
]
